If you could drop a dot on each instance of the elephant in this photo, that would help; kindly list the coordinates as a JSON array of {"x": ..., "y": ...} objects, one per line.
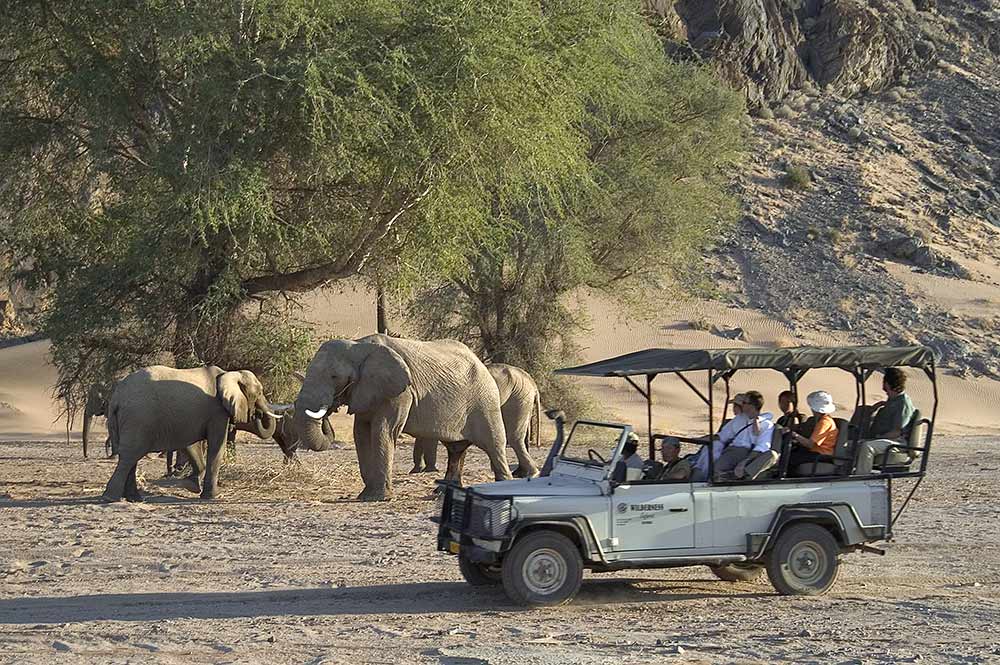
[
  {"x": 519, "y": 402},
  {"x": 434, "y": 390},
  {"x": 96, "y": 405},
  {"x": 161, "y": 409}
]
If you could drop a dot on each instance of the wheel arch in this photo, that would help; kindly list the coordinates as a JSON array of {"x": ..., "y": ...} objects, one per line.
[
  {"x": 577, "y": 529},
  {"x": 840, "y": 519}
]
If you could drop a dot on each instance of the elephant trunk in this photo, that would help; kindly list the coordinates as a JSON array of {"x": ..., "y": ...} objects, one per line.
[
  {"x": 265, "y": 421},
  {"x": 316, "y": 435},
  {"x": 88, "y": 416}
]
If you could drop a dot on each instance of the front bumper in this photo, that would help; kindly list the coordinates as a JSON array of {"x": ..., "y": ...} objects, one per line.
[{"x": 473, "y": 525}]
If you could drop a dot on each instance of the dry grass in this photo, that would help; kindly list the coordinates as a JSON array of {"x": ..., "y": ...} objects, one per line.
[
  {"x": 313, "y": 477},
  {"x": 700, "y": 324}
]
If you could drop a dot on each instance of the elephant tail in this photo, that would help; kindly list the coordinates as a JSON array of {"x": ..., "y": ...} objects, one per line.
[
  {"x": 113, "y": 428},
  {"x": 538, "y": 420}
]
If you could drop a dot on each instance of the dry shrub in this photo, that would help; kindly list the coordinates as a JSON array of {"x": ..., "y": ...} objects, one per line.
[
  {"x": 700, "y": 324},
  {"x": 798, "y": 177}
]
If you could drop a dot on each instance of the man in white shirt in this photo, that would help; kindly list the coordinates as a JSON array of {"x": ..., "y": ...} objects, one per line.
[
  {"x": 752, "y": 435},
  {"x": 699, "y": 470}
]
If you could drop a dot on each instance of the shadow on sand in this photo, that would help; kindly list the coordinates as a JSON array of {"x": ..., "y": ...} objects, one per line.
[{"x": 417, "y": 598}]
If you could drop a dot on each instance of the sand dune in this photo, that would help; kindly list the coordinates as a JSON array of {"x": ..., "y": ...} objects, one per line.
[{"x": 27, "y": 410}]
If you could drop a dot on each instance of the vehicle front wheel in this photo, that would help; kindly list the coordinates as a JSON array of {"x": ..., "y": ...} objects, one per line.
[
  {"x": 738, "y": 572},
  {"x": 804, "y": 561},
  {"x": 543, "y": 569},
  {"x": 479, "y": 574}
]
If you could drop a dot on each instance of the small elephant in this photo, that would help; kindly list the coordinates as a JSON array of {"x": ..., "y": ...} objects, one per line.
[
  {"x": 434, "y": 390},
  {"x": 160, "y": 409},
  {"x": 286, "y": 434},
  {"x": 96, "y": 405},
  {"x": 519, "y": 403}
]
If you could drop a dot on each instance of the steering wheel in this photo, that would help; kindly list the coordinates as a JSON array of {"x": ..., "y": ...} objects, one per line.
[{"x": 592, "y": 454}]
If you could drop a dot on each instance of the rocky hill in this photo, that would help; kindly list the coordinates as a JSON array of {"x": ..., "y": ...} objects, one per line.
[{"x": 872, "y": 196}]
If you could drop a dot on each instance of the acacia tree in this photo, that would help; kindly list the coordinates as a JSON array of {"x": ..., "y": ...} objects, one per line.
[
  {"x": 660, "y": 146},
  {"x": 165, "y": 164}
]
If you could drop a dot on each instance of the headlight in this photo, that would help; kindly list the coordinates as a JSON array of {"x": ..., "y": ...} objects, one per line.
[{"x": 490, "y": 517}]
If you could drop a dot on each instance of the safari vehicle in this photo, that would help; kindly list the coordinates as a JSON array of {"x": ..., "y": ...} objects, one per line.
[{"x": 537, "y": 536}]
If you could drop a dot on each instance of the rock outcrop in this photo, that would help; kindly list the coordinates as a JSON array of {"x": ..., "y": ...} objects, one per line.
[{"x": 768, "y": 47}]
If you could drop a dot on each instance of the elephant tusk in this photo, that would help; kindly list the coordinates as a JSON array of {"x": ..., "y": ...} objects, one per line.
[
  {"x": 316, "y": 415},
  {"x": 274, "y": 415}
]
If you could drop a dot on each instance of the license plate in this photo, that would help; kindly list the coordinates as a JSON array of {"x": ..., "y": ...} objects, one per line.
[{"x": 453, "y": 547}]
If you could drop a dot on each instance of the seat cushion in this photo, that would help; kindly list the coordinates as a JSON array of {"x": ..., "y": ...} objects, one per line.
[{"x": 817, "y": 469}]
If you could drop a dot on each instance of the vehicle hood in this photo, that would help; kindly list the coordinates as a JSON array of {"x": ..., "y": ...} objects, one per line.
[{"x": 548, "y": 486}]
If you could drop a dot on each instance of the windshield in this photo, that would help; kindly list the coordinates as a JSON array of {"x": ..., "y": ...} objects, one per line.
[{"x": 592, "y": 443}]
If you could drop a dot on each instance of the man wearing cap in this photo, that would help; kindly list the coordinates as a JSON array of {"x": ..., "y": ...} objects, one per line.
[
  {"x": 729, "y": 431},
  {"x": 822, "y": 431},
  {"x": 630, "y": 465}
]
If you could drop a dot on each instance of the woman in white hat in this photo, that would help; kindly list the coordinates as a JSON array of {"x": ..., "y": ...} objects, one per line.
[{"x": 822, "y": 431}]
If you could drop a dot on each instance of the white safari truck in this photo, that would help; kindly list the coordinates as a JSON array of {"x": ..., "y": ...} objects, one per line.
[{"x": 536, "y": 536}]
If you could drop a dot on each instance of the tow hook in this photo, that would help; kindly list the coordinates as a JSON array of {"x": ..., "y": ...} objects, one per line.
[{"x": 871, "y": 550}]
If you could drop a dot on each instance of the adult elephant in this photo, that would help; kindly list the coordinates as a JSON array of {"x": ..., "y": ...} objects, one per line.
[
  {"x": 432, "y": 390},
  {"x": 160, "y": 409},
  {"x": 519, "y": 405}
]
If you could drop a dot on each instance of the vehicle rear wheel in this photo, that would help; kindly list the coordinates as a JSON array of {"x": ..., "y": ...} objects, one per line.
[
  {"x": 804, "y": 561},
  {"x": 738, "y": 572},
  {"x": 479, "y": 574},
  {"x": 543, "y": 569}
]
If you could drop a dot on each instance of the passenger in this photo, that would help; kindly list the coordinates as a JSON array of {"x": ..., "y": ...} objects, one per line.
[
  {"x": 753, "y": 436},
  {"x": 822, "y": 439},
  {"x": 699, "y": 468},
  {"x": 891, "y": 419},
  {"x": 790, "y": 416},
  {"x": 630, "y": 465},
  {"x": 673, "y": 468}
]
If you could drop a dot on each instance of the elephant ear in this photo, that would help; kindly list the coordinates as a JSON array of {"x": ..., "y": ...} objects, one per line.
[
  {"x": 230, "y": 388},
  {"x": 382, "y": 375}
]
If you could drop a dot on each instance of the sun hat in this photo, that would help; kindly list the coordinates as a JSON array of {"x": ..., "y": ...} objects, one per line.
[
  {"x": 821, "y": 402},
  {"x": 739, "y": 398}
]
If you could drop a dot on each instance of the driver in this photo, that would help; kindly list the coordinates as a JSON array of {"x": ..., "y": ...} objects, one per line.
[{"x": 630, "y": 465}]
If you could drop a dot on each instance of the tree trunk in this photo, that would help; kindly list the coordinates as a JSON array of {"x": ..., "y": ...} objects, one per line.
[{"x": 381, "y": 321}]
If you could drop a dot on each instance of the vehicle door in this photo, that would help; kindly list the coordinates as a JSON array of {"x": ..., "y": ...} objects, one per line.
[{"x": 649, "y": 516}]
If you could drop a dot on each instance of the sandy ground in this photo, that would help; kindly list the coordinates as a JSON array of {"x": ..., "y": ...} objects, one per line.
[{"x": 287, "y": 568}]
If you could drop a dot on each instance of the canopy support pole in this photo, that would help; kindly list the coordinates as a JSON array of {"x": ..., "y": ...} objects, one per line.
[
  {"x": 642, "y": 392},
  {"x": 711, "y": 422},
  {"x": 649, "y": 414},
  {"x": 695, "y": 388}
]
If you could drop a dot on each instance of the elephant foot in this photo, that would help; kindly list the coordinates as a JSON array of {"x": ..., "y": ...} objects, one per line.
[
  {"x": 134, "y": 498},
  {"x": 375, "y": 495},
  {"x": 430, "y": 469},
  {"x": 191, "y": 484},
  {"x": 416, "y": 469},
  {"x": 209, "y": 496},
  {"x": 110, "y": 498},
  {"x": 521, "y": 472}
]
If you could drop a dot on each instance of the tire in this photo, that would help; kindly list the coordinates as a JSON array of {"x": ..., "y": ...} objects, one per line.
[
  {"x": 479, "y": 574},
  {"x": 738, "y": 572},
  {"x": 543, "y": 569},
  {"x": 804, "y": 561}
]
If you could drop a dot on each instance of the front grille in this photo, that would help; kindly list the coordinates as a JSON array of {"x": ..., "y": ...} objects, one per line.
[{"x": 457, "y": 508}]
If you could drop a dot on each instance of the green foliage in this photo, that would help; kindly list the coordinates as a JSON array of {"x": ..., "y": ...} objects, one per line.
[
  {"x": 661, "y": 141},
  {"x": 162, "y": 163},
  {"x": 798, "y": 177}
]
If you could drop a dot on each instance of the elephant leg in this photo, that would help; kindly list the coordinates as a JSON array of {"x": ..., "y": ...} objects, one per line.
[
  {"x": 127, "y": 460},
  {"x": 218, "y": 434},
  {"x": 196, "y": 456},
  {"x": 430, "y": 456},
  {"x": 386, "y": 427},
  {"x": 132, "y": 486},
  {"x": 516, "y": 436},
  {"x": 418, "y": 456},
  {"x": 456, "y": 461},
  {"x": 362, "y": 443},
  {"x": 488, "y": 434},
  {"x": 170, "y": 462}
]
